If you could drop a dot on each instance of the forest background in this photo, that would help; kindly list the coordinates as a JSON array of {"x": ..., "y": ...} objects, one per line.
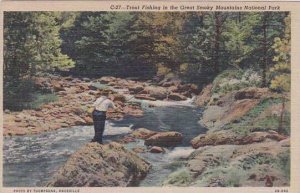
[{"x": 248, "y": 48}]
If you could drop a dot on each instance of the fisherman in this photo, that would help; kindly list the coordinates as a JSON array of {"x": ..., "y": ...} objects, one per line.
[{"x": 100, "y": 106}]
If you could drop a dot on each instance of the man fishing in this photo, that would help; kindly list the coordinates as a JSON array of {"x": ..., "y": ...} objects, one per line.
[{"x": 100, "y": 107}]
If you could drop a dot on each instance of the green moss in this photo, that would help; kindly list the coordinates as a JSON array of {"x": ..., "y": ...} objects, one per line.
[
  {"x": 284, "y": 163},
  {"x": 265, "y": 103},
  {"x": 181, "y": 177},
  {"x": 222, "y": 176},
  {"x": 256, "y": 159},
  {"x": 250, "y": 121},
  {"x": 270, "y": 122}
]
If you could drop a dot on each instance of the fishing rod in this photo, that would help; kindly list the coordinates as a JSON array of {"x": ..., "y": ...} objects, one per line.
[
  {"x": 134, "y": 96},
  {"x": 127, "y": 100}
]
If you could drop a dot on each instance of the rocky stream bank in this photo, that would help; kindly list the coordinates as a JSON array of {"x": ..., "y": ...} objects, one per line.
[
  {"x": 76, "y": 95},
  {"x": 237, "y": 149}
]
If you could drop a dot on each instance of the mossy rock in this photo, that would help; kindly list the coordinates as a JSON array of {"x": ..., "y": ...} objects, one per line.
[{"x": 181, "y": 177}]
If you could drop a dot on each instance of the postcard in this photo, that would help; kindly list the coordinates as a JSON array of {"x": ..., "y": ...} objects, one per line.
[{"x": 150, "y": 96}]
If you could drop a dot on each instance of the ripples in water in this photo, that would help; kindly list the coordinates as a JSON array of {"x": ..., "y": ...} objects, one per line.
[{"x": 30, "y": 161}]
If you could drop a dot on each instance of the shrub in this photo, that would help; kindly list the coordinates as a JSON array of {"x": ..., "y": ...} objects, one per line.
[
  {"x": 39, "y": 100},
  {"x": 16, "y": 93},
  {"x": 231, "y": 80},
  {"x": 22, "y": 94},
  {"x": 162, "y": 70},
  {"x": 256, "y": 159}
]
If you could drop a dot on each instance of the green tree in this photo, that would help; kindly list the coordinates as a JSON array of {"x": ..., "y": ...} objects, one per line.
[
  {"x": 168, "y": 43},
  {"x": 197, "y": 52},
  {"x": 32, "y": 44},
  {"x": 239, "y": 27},
  {"x": 120, "y": 56},
  {"x": 86, "y": 42},
  {"x": 155, "y": 41},
  {"x": 280, "y": 73},
  {"x": 204, "y": 50},
  {"x": 268, "y": 25}
]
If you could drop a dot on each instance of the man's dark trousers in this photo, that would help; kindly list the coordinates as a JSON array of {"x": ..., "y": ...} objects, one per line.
[{"x": 99, "y": 118}]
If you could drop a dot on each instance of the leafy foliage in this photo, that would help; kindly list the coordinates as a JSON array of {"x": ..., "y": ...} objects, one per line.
[
  {"x": 32, "y": 44},
  {"x": 281, "y": 72},
  {"x": 230, "y": 80},
  {"x": 22, "y": 94},
  {"x": 196, "y": 47},
  {"x": 86, "y": 42}
]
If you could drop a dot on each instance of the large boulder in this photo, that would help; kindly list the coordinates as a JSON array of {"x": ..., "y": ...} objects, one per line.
[
  {"x": 83, "y": 87},
  {"x": 204, "y": 96},
  {"x": 107, "y": 79},
  {"x": 176, "y": 97},
  {"x": 96, "y": 165},
  {"x": 216, "y": 116},
  {"x": 238, "y": 165},
  {"x": 231, "y": 138},
  {"x": 135, "y": 89},
  {"x": 170, "y": 83},
  {"x": 123, "y": 83},
  {"x": 166, "y": 139},
  {"x": 192, "y": 88},
  {"x": 92, "y": 87},
  {"x": 57, "y": 87},
  {"x": 156, "y": 149},
  {"x": 158, "y": 93},
  {"x": 143, "y": 133}
]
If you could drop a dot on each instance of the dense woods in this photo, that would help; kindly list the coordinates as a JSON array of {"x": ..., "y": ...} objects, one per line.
[{"x": 192, "y": 46}]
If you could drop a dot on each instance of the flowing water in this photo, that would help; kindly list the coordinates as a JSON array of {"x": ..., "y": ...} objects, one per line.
[{"x": 31, "y": 160}]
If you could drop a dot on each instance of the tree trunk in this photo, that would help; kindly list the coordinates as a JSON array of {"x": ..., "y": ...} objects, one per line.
[
  {"x": 280, "y": 127},
  {"x": 265, "y": 52},
  {"x": 217, "y": 42}
]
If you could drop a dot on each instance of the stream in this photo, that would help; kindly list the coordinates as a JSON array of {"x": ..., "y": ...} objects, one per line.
[{"x": 30, "y": 161}]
